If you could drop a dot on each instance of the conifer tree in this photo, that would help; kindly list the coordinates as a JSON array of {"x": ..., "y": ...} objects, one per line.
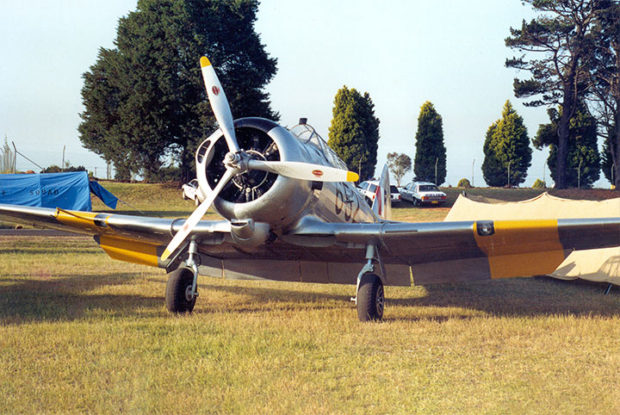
[
  {"x": 507, "y": 153},
  {"x": 354, "y": 131},
  {"x": 430, "y": 153}
]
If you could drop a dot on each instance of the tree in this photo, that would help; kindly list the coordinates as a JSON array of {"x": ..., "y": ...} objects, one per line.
[
  {"x": 604, "y": 85},
  {"x": 507, "y": 153},
  {"x": 144, "y": 99},
  {"x": 464, "y": 183},
  {"x": 354, "y": 131},
  {"x": 67, "y": 169},
  {"x": 430, "y": 151},
  {"x": 583, "y": 167},
  {"x": 560, "y": 36},
  {"x": 609, "y": 164},
  {"x": 539, "y": 184},
  {"x": 399, "y": 165}
]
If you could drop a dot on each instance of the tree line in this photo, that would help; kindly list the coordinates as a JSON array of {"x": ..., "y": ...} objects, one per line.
[{"x": 146, "y": 110}]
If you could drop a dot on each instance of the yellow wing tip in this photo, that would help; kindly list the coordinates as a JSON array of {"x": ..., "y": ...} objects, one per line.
[
  {"x": 204, "y": 61},
  {"x": 352, "y": 177},
  {"x": 165, "y": 255}
]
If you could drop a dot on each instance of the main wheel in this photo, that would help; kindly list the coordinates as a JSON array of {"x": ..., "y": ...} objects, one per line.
[
  {"x": 370, "y": 298},
  {"x": 179, "y": 290}
]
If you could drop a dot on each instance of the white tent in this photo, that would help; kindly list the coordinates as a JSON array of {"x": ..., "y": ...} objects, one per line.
[{"x": 601, "y": 265}]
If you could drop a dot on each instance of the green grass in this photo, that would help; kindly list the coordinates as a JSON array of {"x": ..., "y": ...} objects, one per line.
[{"x": 82, "y": 333}]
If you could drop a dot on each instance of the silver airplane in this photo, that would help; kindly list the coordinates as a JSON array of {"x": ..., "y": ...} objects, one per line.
[{"x": 292, "y": 213}]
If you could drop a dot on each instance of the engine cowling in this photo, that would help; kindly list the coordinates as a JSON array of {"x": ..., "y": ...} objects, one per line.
[{"x": 262, "y": 196}]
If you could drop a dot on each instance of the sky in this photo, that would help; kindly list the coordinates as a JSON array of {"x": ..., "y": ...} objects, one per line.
[{"x": 402, "y": 52}]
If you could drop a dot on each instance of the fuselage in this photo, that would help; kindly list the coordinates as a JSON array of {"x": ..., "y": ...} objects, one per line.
[{"x": 276, "y": 200}]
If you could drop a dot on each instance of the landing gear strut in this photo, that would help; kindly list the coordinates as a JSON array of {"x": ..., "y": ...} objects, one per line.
[{"x": 181, "y": 290}]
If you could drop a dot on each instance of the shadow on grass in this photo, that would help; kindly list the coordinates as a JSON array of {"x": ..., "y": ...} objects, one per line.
[
  {"x": 521, "y": 297},
  {"x": 49, "y": 251},
  {"x": 66, "y": 299}
]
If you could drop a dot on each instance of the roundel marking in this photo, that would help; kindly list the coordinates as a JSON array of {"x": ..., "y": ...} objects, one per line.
[
  {"x": 215, "y": 90},
  {"x": 317, "y": 172}
]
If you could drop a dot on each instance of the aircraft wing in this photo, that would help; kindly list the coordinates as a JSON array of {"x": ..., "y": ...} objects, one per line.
[
  {"x": 471, "y": 250},
  {"x": 138, "y": 239},
  {"x": 435, "y": 252}
]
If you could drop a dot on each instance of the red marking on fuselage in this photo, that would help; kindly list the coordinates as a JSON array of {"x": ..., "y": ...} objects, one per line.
[{"x": 215, "y": 90}]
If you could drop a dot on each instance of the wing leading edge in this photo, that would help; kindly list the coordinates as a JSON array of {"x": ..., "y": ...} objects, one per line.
[{"x": 436, "y": 252}]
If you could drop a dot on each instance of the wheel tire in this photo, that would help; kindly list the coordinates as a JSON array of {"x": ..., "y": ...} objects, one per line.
[
  {"x": 368, "y": 201},
  {"x": 370, "y": 298},
  {"x": 177, "y": 290},
  {"x": 416, "y": 202}
]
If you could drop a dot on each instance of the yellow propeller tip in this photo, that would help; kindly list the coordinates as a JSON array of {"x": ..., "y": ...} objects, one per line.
[
  {"x": 165, "y": 255},
  {"x": 352, "y": 177},
  {"x": 204, "y": 61}
]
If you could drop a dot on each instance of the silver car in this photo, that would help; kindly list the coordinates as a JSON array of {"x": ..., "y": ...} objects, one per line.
[{"x": 423, "y": 193}]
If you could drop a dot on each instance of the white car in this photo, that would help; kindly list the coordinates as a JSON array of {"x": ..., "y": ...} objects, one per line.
[
  {"x": 423, "y": 193},
  {"x": 190, "y": 191},
  {"x": 369, "y": 188}
]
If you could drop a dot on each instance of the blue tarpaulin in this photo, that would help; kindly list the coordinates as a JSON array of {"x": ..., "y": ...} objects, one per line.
[
  {"x": 102, "y": 193},
  {"x": 63, "y": 190}
]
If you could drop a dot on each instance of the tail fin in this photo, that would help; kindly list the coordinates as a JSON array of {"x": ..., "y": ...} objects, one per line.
[{"x": 382, "y": 206}]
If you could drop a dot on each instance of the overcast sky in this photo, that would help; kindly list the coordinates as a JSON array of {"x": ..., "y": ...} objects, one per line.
[{"x": 402, "y": 52}]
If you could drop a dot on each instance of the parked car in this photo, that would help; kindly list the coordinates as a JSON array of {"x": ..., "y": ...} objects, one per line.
[
  {"x": 369, "y": 188},
  {"x": 423, "y": 193},
  {"x": 190, "y": 191}
]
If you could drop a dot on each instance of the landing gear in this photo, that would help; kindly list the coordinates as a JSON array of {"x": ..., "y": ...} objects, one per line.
[
  {"x": 179, "y": 296},
  {"x": 370, "y": 298},
  {"x": 181, "y": 290}
]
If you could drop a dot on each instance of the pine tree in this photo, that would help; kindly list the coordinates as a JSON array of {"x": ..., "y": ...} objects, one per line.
[
  {"x": 560, "y": 37},
  {"x": 583, "y": 161},
  {"x": 144, "y": 98},
  {"x": 430, "y": 153},
  {"x": 506, "y": 150},
  {"x": 354, "y": 131}
]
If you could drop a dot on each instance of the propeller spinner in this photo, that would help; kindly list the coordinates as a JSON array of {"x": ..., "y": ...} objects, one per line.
[{"x": 237, "y": 161}]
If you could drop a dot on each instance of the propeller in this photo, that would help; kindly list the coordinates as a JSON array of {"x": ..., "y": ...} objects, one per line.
[
  {"x": 196, "y": 215},
  {"x": 304, "y": 171},
  {"x": 219, "y": 103},
  {"x": 238, "y": 162}
]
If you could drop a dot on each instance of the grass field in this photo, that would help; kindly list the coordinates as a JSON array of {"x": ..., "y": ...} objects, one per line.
[{"x": 80, "y": 333}]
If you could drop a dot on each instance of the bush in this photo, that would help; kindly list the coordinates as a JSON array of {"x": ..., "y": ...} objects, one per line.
[
  {"x": 539, "y": 184},
  {"x": 464, "y": 183}
]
